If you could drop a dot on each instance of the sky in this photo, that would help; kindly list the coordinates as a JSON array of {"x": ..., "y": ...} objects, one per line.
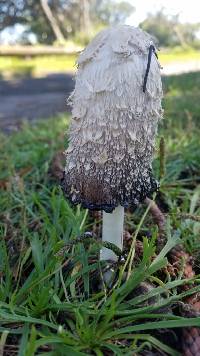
[{"x": 189, "y": 10}]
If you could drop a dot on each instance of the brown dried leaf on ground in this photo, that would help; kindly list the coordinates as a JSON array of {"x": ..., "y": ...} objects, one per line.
[{"x": 5, "y": 183}]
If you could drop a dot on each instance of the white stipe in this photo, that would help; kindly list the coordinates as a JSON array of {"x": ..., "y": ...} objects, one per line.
[{"x": 112, "y": 232}]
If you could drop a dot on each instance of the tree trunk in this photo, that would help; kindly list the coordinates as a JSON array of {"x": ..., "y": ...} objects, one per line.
[
  {"x": 53, "y": 23},
  {"x": 180, "y": 36},
  {"x": 85, "y": 22}
]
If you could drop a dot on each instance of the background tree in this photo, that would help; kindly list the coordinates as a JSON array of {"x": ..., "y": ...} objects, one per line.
[
  {"x": 29, "y": 13},
  {"x": 169, "y": 31},
  {"x": 52, "y": 20},
  {"x": 112, "y": 12},
  {"x": 58, "y": 20}
]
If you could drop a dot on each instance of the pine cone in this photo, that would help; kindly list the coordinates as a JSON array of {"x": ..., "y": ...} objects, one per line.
[
  {"x": 194, "y": 302},
  {"x": 179, "y": 256},
  {"x": 179, "y": 252},
  {"x": 138, "y": 246},
  {"x": 191, "y": 341},
  {"x": 190, "y": 336},
  {"x": 171, "y": 270}
]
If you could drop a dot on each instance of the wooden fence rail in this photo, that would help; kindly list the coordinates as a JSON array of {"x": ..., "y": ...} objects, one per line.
[{"x": 30, "y": 51}]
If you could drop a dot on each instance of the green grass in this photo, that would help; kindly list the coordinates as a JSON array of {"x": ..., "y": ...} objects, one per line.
[
  {"x": 36, "y": 66},
  {"x": 49, "y": 302},
  {"x": 182, "y": 102},
  {"x": 178, "y": 55},
  {"x": 41, "y": 65}
]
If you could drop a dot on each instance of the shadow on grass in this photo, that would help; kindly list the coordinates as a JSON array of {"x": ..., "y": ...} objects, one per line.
[
  {"x": 58, "y": 83},
  {"x": 33, "y": 98}
]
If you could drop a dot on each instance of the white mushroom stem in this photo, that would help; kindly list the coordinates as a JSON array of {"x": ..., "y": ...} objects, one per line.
[{"x": 112, "y": 232}]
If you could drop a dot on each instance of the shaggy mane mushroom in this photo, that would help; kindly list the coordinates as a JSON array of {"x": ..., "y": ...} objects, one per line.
[{"x": 116, "y": 106}]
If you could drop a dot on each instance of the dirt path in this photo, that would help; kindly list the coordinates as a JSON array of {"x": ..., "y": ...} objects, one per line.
[
  {"x": 181, "y": 67},
  {"x": 33, "y": 98}
]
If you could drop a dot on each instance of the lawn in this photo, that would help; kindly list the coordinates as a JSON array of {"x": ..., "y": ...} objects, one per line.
[
  {"x": 42, "y": 65},
  {"x": 36, "y": 66},
  {"x": 179, "y": 54},
  {"x": 52, "y": 297}
]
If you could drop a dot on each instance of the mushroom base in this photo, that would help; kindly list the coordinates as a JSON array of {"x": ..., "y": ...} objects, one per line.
[{"x": 100, "y": 196}]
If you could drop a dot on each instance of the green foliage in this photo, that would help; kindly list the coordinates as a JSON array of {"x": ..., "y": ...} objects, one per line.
[
  {"x": 48, "y": 299},
  {"x": 169, "y": 31},
  {"x": 178, "y": 54},
  {"x": 76, "y": 19},
  {"x": 36, "y": 66},
  {"x": 112, "y": 12},
  {"x": 28, "y": 13},
  {"x": 181, "y": 102}
]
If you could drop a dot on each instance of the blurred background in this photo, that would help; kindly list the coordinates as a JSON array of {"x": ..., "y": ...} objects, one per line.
[
  {"x": 42, "y": 264},
  {"x": 40, "y": 41}
]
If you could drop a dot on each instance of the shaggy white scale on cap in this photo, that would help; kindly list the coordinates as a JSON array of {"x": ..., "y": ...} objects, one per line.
[{"x": 114, "y": 121}]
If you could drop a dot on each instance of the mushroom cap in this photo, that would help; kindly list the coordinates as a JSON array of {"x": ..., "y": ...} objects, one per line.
[{"x": 114, "y": 123}]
